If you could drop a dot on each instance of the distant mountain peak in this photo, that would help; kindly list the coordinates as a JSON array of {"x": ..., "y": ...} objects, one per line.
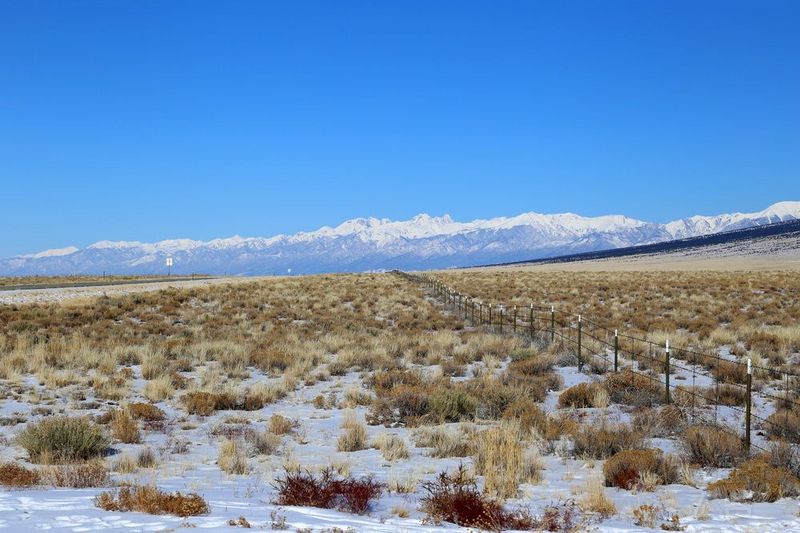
[{"x": 371, "y": 243}]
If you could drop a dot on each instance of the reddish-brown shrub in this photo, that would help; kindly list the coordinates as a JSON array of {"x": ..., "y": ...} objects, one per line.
[
  {"x": 17, "y": 476},
  {"x": 455, "y": 498},
  {"x": 147, "y": 499},
  {"x": 327, "y": 491},
  {"x": 635, "y": 389}
]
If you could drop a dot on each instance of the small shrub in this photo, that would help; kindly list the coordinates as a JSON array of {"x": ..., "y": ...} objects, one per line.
[
  {"x": 634, "y": 389},
  {"x": 124, "y": 428},
  {"x": 712, "y": 446},
  {"x": 581, "y": 396},
  {"x": 528, "y": 415},
  {"x": 784, "y": 424},
  {"x": 757, "y": 481},
  {"x": 150, "y": 500},
  {"x": 327, "y": 491},
  {"x": 452, "y": 405},
  {"x": 646, "y": 516},
  {"x": 455, "y": 498},
  {"x": 630, "y": 469},
  {"x": 146, "y": 458},
  {"x": 77, "y": 476},
  {"x": 604, "y": 440},
  {"x": 17, "y": 476},
  {"x": 280, "y": 425},
  {"x": 199, "y": 403},
  {"x": 145, "y": 411},
  {"x": 62, "y": 439}
]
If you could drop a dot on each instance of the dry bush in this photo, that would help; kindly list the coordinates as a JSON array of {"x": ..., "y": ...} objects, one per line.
[
  {"x": 784, "y": 424},
  {"x": 280, "y": 425},
  {"x": 77, "y": 476},
  {"x": 327, "y": 491},
  {"x": 455, "y": 498},
  {"x": 594, "y": 499},
  {"x": 17, "y": 476},
  {"x": 232, "y": 458},
  {"x": 758, "y": 481},
  {"x": 145, "y": 411},
  {"x": 665, "y": 421},
  {"x": 529, "y": 416},
  {"x": 628, "y": 469},
  {"x": 635, "y": 389},
  {"x": 264, "y": 443},
  {"x": 712, "y": 446},
  {"x": 124, "y": 428},
  {"x": 726, "y": 394},
  {"x": 391, "y": 446},
  {"x": 199, "y": 403},
  {"x": 150, "y": 500},
  {"x": 581, "y": 396},
  {"x": 354, "y": 435},
  {"x": 62, "y": 439},
  {"x": 605, "y": 439},
  {"x": 146, "y": 458}
]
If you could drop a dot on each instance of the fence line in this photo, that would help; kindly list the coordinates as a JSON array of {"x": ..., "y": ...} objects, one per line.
[{"x": 546, "y": 324}]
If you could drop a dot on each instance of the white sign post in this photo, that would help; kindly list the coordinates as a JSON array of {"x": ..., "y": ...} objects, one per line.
[{"x": 169, "y": 266}]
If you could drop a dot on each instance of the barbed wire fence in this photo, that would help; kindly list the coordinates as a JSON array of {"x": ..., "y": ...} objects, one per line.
[{"x": 707, "y": 385}]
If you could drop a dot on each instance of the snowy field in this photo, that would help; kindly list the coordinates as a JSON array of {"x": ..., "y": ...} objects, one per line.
[{"x": 304, "y": 346}]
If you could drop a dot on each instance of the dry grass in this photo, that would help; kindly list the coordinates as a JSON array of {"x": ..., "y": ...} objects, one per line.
[
  {"x": 503, "y": 462},
  {"x": 354, "y": 435},
  {"x": 150, "y": 500},
  {"x": 232, "y": 458},
  {"x": 595, "y": 500},
  {"x": 392, "y": 447},
  {"x": 17, "y": 476},
  {"x": 758, "y": 481}
]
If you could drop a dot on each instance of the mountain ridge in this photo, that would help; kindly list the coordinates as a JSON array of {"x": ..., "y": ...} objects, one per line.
[{"x": 359, "y": 244}]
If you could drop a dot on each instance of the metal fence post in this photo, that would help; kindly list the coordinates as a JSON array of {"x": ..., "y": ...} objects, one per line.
[
  {"x": 552, "y": 323},
  {"x": 490, "y": 317},
  {"x": 515, "y": 319},
  {"x": 500, "y": 318},
  {"x": 666, "y": 373},
  {"x": 580, "y": 358},
  {"x": 531, "y": 319},
  {"x": 748, "y": 405},
  {"x": 616, "y": 350}
]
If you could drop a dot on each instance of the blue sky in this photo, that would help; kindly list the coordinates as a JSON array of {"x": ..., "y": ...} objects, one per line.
[{"x": 150, "y": 120}]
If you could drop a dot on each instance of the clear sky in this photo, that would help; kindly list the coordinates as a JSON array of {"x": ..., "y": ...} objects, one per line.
[{"x": 146, "y": 120}]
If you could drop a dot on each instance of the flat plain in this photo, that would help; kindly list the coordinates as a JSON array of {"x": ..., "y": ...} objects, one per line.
[{"x": 364, "y": 402}]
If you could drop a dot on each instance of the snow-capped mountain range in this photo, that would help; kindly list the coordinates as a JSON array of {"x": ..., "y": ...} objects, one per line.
[{"x": 371, "y": 244}]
